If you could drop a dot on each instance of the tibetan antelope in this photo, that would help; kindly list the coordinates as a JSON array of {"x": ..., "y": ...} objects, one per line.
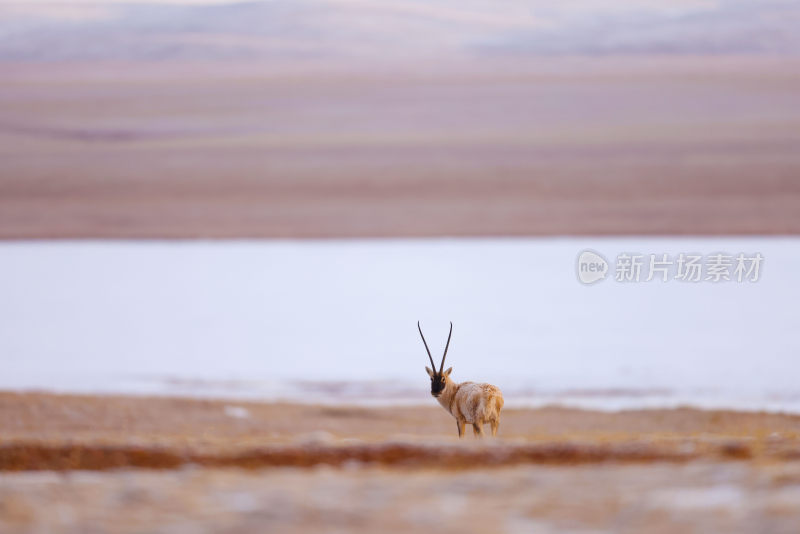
[{"x": 468, "y": 402}]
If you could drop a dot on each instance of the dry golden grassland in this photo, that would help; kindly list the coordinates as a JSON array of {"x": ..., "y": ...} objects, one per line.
[
  {"x": 43, "y": 431},
  {"x": 71, "y": 463}
]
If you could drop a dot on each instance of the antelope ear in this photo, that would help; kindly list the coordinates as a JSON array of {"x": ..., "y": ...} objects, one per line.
[
  {"x": 449, "y": 370},
  {"x": 430, "y": 373}
]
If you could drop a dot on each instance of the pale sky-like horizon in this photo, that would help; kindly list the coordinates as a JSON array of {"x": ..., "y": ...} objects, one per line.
[
  {"x": 488, "y": 7},
  {"x": 235, "y": 29}
]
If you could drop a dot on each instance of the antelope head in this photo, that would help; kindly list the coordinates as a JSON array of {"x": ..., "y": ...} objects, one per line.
[{"x": 438, "y": 378}]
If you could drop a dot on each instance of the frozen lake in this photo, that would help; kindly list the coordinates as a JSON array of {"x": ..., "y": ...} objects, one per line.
[{"x": 335, "y": 321}]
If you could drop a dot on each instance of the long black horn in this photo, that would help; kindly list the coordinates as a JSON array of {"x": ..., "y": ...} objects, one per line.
[
  {"x": 433, "y": 365},
  {"x": 446, "y": 347}
]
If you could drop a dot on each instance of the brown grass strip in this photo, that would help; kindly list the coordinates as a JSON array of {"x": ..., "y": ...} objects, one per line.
[{"x": 34, "y": 456}]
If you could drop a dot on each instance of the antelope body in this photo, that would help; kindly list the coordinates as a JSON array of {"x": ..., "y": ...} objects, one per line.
[{"x": 467, "y": 402}]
